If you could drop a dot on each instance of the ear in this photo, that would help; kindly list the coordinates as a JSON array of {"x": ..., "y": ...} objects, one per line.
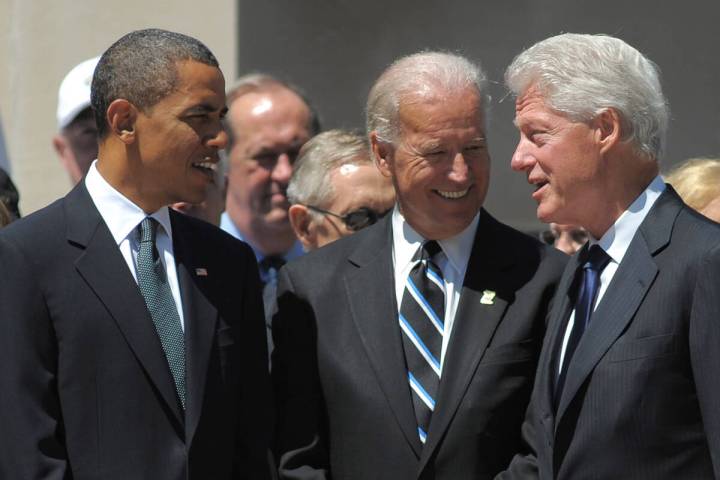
[
  {"x": 121, "y": 117},
  {"x": 382, "y": 152},
  {"x": 608, "y": 129},
  {"x": 301, "y": 219}
]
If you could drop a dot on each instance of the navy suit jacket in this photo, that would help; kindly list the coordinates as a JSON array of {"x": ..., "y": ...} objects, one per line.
[
  {"x": 85, "y": 388},
  {"x": 642, "y": 393}
]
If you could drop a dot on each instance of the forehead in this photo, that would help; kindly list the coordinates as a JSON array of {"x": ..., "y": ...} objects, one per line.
[
  {"x": 531, "y": 106},
  {"x": 275, "y": 106},
  {"x": 442, "y": 112},
  {"x": 198, "y": 83}
]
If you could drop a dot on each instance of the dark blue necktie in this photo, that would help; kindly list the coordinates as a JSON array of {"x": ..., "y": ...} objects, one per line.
[
  {"x": 592, "y": 265},
  {"x": 422, "y": 317}
]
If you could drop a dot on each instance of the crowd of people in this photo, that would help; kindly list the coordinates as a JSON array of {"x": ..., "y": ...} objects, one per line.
[{"x": 230, "y": 292}]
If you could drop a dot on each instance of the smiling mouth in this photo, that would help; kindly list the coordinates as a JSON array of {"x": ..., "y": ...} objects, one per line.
[
  {"x": 453, "y": 195},
  {"x": 207, "y": 166}
]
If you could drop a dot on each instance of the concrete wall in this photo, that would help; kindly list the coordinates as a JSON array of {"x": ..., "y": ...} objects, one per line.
[{"x": 40, "y": 41}]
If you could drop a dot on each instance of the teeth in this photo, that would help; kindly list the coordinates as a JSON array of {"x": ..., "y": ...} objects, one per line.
[
  {"x": 207, "y": 164},
  {"x": 453, "y": 195}
]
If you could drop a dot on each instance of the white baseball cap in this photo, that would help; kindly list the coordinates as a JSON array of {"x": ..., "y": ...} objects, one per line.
[{"x": 74, "y": 93}]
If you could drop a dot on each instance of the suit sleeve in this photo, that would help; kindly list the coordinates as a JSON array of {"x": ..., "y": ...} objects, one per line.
[
  {"x": 31, "y": 428},
  {"x": 704, "y": 339},
  {"x": 254, "y": 433},
  {"x": 301, "y": 427}
]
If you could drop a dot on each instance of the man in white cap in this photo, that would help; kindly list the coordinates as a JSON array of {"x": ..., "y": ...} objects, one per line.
[{"x": 76, "y": 140}]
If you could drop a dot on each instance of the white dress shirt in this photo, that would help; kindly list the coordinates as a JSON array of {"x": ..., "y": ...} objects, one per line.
[
  {"x": 452, "y": 261},
  {"x": 615, "y": 242},
  {"x": 122, "y": 217}
]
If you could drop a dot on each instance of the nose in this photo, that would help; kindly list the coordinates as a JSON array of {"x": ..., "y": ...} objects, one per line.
[
  {"x": 282, "y": 170},
  {"x": 459, "y": 172},
  {"x": 220, "y": 140},
  {"x": 521, "y": 160}
]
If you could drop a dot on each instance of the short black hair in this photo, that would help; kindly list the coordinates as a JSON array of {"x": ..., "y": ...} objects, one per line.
[{"x": 141, "y": 67}]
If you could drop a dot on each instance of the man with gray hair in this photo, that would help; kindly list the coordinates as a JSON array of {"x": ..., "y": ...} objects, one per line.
[
  {"x": 336, "y": 189},
  {"x": 408, "y": 350},
  {"x": 627, "y": 384}
]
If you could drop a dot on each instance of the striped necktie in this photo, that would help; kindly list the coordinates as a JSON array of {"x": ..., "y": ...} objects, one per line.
[
  {"x": 155, "y": 289},
  {"x": 422, "y": 321}
]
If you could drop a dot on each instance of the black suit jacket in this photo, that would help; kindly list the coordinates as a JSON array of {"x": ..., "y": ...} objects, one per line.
[
  {"x": 642, "y": 394},
  {"x": 85, "y": 389},
  {"x": 344, "y": 405}
]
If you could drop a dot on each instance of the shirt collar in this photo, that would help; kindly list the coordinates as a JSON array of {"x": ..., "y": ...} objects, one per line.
[
  {"x": 406, "y": 241},
  {"x": 618, "y": 237},
  {"x": 120, "y": 214},
  {"x": 227, "y": 225}
]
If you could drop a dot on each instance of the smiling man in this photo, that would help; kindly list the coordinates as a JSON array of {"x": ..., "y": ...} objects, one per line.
[
  {"x": 408, "y": 350},
  {"x": 628, "y": 378},
  {"x": 124, "y": 344}
]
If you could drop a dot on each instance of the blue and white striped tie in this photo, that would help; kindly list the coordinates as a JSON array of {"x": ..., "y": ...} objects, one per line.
[{"x": 422, "y": 320}]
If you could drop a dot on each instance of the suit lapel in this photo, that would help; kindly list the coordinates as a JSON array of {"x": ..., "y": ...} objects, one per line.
[
  {"x": 103, "y": 267},
  {"x": 374, "y": 313},
  {"x": 486, "y": 270},
  {"x": 200, "y": 323},
  {"x": 624, "y": 295}
]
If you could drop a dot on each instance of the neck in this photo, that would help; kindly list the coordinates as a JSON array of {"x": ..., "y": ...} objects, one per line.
[{"x": 267, "y": 239}]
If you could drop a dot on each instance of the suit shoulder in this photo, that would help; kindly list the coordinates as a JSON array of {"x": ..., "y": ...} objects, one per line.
[
  {"x": 38, "y": 228},
  {"x": 526, "y": 248},
  {"x": 199, "y": 232}
]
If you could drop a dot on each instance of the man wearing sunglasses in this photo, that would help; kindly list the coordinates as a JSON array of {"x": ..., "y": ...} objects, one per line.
[
  {"x": 408, "y": 350},
  {"x": 335, "y": 189}
]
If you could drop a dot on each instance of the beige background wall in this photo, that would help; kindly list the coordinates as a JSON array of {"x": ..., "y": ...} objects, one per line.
[{"x": 40, "y": 41}]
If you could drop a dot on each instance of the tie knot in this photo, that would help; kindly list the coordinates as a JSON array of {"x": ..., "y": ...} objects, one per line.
[
  {"x": 596, "y": 258},
  {"x": 272, "y": 261},
  {"x": 147, "y": 230},
  {"x": 427, "y": 251}
]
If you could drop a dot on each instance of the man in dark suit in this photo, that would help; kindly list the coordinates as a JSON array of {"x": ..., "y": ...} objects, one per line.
[
  {"x": 627, "y": 383},
  {"x": 408, "y": 350},
  {"x": 127, "y": 353}
]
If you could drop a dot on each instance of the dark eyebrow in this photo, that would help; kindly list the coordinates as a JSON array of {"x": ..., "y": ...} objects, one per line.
[{"x": 205, "y": 108}]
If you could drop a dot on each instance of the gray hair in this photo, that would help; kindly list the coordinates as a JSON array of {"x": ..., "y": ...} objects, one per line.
[
  {"x": 262, "y": 82},
  {"x": 310, "y": 182},
  {"x": 419, "y": 74},
  {"x": 141, "y": 67},
  {"x": 582, "y": 75}
]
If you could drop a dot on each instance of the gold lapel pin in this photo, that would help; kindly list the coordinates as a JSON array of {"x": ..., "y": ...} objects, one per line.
[{"x": 488, "y": 297}]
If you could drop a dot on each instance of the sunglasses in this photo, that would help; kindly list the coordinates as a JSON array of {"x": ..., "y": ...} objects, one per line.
[{"x": 355, "y": 220}]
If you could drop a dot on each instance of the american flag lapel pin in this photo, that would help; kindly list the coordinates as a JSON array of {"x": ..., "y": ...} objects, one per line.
[{"x": 201, "y": 272}]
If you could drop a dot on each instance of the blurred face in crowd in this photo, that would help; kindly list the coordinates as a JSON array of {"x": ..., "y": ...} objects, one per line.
[
  {"x": 562, "y": 159},
  {"x": 361, "y": 196},
  {"x": 439, "y": 165},
  {"x": 566, "y": 238},
  {"x": 77, "y": 145},
  {"x": 269, "y": 127}
]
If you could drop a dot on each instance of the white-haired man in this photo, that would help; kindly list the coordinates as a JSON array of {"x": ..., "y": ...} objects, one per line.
[
  {"x": 627, "y": 383},
  {"x": 336, "y": 189},
  {"x": 408, "y": 350}
]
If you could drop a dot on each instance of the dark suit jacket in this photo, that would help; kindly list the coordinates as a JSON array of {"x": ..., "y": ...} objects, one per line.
[
  {"x": 344, "y": 405},
  {"x": 85, "y": 389},
  {"x": 642, "y": 393}
]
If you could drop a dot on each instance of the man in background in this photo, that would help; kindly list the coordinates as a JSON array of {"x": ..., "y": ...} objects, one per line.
[
  {"x": 336, "y": 189},
  {"x": 9, "y": 195},
  {"x": 268, "y": 121},
  {"x": 76, "y": 142}
]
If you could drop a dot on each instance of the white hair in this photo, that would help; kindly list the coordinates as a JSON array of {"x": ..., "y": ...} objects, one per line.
[
  {"x": 420, "y": 74},
  {"x": 310, "y": 181},
  {"x": 583, "y": 75}
]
